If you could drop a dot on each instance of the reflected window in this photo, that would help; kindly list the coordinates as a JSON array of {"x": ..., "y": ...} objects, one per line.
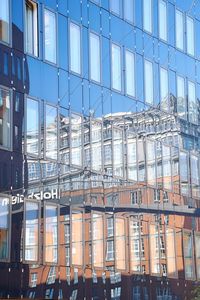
[
  {"x": 190, "y": 35},
  {"x": 4, "y": 21},
  {"x": 51, "y": 131},
  {"x": 179, "y": 30},
  {"x": 4, "y": 228},
  {"x": 33, "y": 282},
  {"x": 148, "y": 77},
  {"x": 147, "y": 15},
  {"x": 192, "y": 103},
  {"x": 181, "y": 101},
  {"x": 118, "y": 153},
  {"x": 31, "y": 22},
  {"x": 110, "y": 251},
  {"x": 76, "y": 140},
  {"x": 5, "y": 118},
  {"x": 95, "y": 57},
  {"x": 31, "y": 231},
  {"x": 129, "y": 10},
  {"x": 96, "y": 146},
  {"x": 97, "y": 240},
  {"x": 115, "y": 6},
  {"x": 75, "y": 48},
  {"x": 50, "y": 35},
  {"x": 163, "y": 20},
  {"x": 151, "y": 162},
  {"x": 51, "y": 234},
  {"x": 130, "y": 73},
  {"x": 184, "y": 173},
  {"x": 132, "y": 158},
  {"x": 164, "y": 100},
  {"x": 110, "y": 227},
  {"x": 116, "y": 67},
  {"x": 32, "y": 126},
  {"x": 51, "y": 275},
  {"x": 188, "y": 255}
]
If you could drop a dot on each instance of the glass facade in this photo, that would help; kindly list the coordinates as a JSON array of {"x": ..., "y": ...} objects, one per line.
[{"x": 99, "y": 149}]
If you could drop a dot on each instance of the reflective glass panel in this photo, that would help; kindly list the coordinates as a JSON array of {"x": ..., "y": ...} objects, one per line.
[
  {"x": 116, "y": 67},
  {"x": 188, "y": 255},
  {"x": 195, "y": 172},
  {"x": 130, "y": 73},
  {"x": 77, "y": 238},
  {"x": 179, "y": 30},
  {"x": 181, "y": 101},
  {"x": 4, "y": 228},
  {"x": 5, "y": 118},
  {"x": 97, "y": 240},
  {"x": 75, "y": 48},
  {"x": 129, "y": 10},
  {"x": 4, "y": 21},
  {"x": 151, "y": 162},
  {"x": 96, "y": 146},
  {"x": 120, "y": 250},
  {"x": 197, "y": 253},
  {"x": 192, "y": 103},
  {"x": 171, "y": 254},
  {"x": 147, "y": 15},
  {"x": 115, "y": 6},
  {"x": 190, "y": 35},
  {"x": 76, "y": 140},
  {"x": 154, "y": 249},
  {"x": 32, "y": 126},
  {"x": 31, "y": 22},
  {"x": 95, "y": 57},
  {"x": 184, "y": 173},
  {"x": 51, "y": 234},
  {"x": 164, "y": 92},
  {"x": 132, "y": 157},
  {"x": 31, "y": 231},
  {"x": 148, "y": 77},
  {"x": 51, "y": 132},
  {"x": 167, "y": 179},
  {"x": 50, "y": 35},
  {"x": 163, "y": 20},
  {"x": 117, "y": 152}
]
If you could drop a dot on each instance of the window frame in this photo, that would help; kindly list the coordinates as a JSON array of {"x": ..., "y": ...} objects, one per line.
[
  {"x": 11, "y": 96},
  {"x": 91, "y": 32},
  {"x": 159, "y": 18},
  {"x": 125, "y": 73},
  {"x": 74, "y": 23},
  {"x": 143, "y": 10},
  {"x": 121, "y": 67},
  {"x": 24, "y": 231},
  {"x": 26, "y": 97},
  {"x": 37, "y": 31},
  {"x": 56, "y": 32},
  {"x": 10, "y": 42}
]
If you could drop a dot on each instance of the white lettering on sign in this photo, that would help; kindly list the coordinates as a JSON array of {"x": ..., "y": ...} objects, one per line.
[{"x": 53, "y": 194}]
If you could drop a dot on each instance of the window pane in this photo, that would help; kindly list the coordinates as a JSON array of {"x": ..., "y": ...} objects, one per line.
[
  {"x": 76, "y": 140},
  {"x": 120, "y": 250},
  {"x": 190, "y": 36},
  {"x": 51, "y": 132},
  {"x": 151, "y": 162},
  {"x": 115, "y": 6},
  {"x": 5, "y": 118},
  {"x": 116, "y": 67},
  {"x": 166, "y": 156},
  {"x": 51, "y": 234},
  {"x": 95, "y": 63},
  {"x": 181, "y": 101},
  {"x": 188, "y": 255},
  {"x": 96, "y": 147},
  {"x": 164, "y": 100},
  {"x": 75, "y": 52},
  {"x": 4, "y": 227},
  {"x": 132, "y": 157},
  {"x": 192, "y": 103},
  {"x": 32, "y": 126},
  {"x": 77, "y": 238},
  {"x": 31, "y": 231},
  {"x": 97, "y": 240},
  {"x": 184, "y": 173},
  {"x": 170, "y": 251},
  {"x": 148, "y": 73},
  {"x": 4, "y": 20},
  {"x": 179, "y": 29},
  {"x": 163, "y": 20},
  {"x": 147, "y": 15},
  {"x": 128, "y": 10},
  {"x": 117, "y": 152},
  {"x": 50, "y": 35},
  {"x": 130, "y": 73},
  {"x": 195, "y": 173},
  {"x": 31, "y": 28}
]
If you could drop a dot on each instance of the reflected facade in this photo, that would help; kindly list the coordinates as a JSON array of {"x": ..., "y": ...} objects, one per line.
[{"x": 99, "y": 149}]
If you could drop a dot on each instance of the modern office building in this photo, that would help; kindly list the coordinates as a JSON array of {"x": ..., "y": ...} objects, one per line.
[{"x": 99, "y": 149}]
